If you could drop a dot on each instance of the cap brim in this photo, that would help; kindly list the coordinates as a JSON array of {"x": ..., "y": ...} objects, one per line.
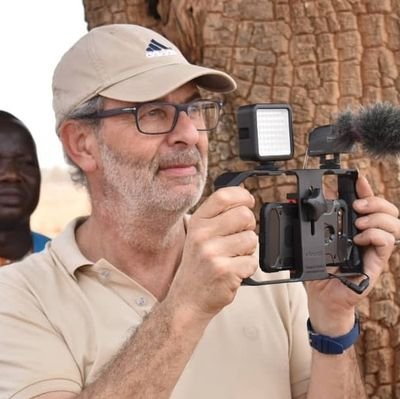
[{"x": 158, "y": 82}]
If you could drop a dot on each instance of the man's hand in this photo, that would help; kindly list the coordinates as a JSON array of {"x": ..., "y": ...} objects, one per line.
[
  {"x": 332, "y": 304},
  {"x": 218, "y": 253}
]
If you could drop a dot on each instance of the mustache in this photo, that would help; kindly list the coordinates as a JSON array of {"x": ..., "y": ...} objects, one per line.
[{"x": 186, "y": 157}]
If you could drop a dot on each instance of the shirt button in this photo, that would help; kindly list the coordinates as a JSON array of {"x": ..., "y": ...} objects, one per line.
[
  {"x": 140, "y": 301},
  {"x": 105, "y": 274}
]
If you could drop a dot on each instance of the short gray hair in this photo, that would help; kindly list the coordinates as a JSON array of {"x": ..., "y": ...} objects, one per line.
[{"x": 79, "y": 113}]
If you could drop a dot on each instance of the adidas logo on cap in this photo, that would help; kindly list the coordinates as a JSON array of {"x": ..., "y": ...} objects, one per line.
[{"x": 156, "y": 49}]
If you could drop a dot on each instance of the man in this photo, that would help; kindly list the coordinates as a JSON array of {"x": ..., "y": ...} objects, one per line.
[
  {"x": 138, "y": 300},
  {"x": 19, "y": 190}
]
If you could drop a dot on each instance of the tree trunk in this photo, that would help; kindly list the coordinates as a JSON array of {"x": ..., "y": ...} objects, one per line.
[{"x": 320, "y": 56}]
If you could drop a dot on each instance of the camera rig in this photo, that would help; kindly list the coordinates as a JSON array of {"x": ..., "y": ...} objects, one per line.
[{"x": 309, "y": 233}]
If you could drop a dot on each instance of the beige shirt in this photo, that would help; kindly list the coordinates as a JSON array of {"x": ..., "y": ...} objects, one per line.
[{"x": 62, "y": 318}]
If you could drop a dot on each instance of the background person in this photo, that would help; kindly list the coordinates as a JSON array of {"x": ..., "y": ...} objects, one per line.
[
  {"x": 139, "y": 300},
  {"x": 19, "y": 190}
]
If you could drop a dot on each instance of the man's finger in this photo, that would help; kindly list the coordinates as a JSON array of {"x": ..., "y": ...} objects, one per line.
[
  {"x": 223, "y": 199},
  {"x": 363, "y": 188}
]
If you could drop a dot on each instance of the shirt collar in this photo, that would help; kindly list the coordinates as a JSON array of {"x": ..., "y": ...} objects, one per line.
[{"x": 65, "y": 248}]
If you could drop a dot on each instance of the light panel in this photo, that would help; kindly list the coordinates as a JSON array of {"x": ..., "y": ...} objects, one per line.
[{"x": 273, "y": 132}]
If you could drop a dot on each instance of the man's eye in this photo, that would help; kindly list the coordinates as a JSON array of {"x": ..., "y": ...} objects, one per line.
[
  {"x": 195, "y": 109},
  {"x": 26, "y": 163},
  {"x": 152, "y": 112},
  {"x": 156, "y": 112}
]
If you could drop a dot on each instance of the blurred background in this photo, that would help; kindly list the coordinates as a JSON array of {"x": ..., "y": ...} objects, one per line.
[
  {"x": 33, "y": 36},
  {"x": 60, "y": 201}
]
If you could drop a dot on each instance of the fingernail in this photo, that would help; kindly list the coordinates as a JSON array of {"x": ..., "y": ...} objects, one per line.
[
  {"x": 362, "y": 221},
  {"x": 361, "y": 203}
]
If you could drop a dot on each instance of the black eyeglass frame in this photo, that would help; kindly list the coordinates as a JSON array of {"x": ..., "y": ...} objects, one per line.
[{"x": 100, "y": 114}]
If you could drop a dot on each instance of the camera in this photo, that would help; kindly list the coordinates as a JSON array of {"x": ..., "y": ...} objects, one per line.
[{"x": 309, "y": 235}]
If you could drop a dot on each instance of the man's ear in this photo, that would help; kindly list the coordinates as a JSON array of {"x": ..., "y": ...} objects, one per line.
[{"x": 80, "y": 144}]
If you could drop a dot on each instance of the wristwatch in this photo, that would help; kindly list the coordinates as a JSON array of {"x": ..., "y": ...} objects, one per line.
[{"x": 333, "y": 346}]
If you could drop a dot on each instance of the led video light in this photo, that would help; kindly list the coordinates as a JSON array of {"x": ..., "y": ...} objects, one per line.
[
  {"x": 273, "y": 133},
  {"x": 265, "y": 132}
]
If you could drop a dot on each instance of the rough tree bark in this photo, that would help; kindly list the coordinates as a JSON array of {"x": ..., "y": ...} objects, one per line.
[{"x": 319, "y": 56}]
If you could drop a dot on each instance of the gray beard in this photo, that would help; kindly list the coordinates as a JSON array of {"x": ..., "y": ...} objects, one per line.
[{"x": 136, "y": 200}]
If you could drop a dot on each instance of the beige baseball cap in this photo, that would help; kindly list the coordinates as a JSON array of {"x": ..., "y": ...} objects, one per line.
[{"x": 128, "y": 63}]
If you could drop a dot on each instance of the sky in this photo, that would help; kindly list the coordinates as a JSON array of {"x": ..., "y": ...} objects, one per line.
[{"x": 33, "y": 37}]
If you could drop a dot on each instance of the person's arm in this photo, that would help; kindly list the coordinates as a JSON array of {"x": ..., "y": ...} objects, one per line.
[
  {"x": 218, "y": 254},
  {"x": 343, "y": 381},
  {"x": 332, "y": 305},
  {"x": 151, "y": 361}
]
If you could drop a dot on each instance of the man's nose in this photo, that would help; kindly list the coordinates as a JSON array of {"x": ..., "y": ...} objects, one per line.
[
  {"x": 185, "y": 130},
  {"x": 9, "y": 171}
]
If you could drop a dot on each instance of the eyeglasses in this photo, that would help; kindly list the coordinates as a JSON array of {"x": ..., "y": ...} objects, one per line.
[{"x": 161, "y": 118}]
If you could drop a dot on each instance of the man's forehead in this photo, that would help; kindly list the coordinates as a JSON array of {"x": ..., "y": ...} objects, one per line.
[{"x": 14, "y": 137}]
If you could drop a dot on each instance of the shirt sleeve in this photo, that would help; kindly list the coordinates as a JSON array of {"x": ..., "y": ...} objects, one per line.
[{"x": 34, "y": 359}]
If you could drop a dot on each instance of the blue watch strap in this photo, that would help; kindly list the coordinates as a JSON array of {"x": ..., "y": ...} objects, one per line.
[{"x": 333, "y": 346}]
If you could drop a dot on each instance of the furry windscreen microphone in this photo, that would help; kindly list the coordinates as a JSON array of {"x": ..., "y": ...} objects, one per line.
[{"x": 376, "y": 127}]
